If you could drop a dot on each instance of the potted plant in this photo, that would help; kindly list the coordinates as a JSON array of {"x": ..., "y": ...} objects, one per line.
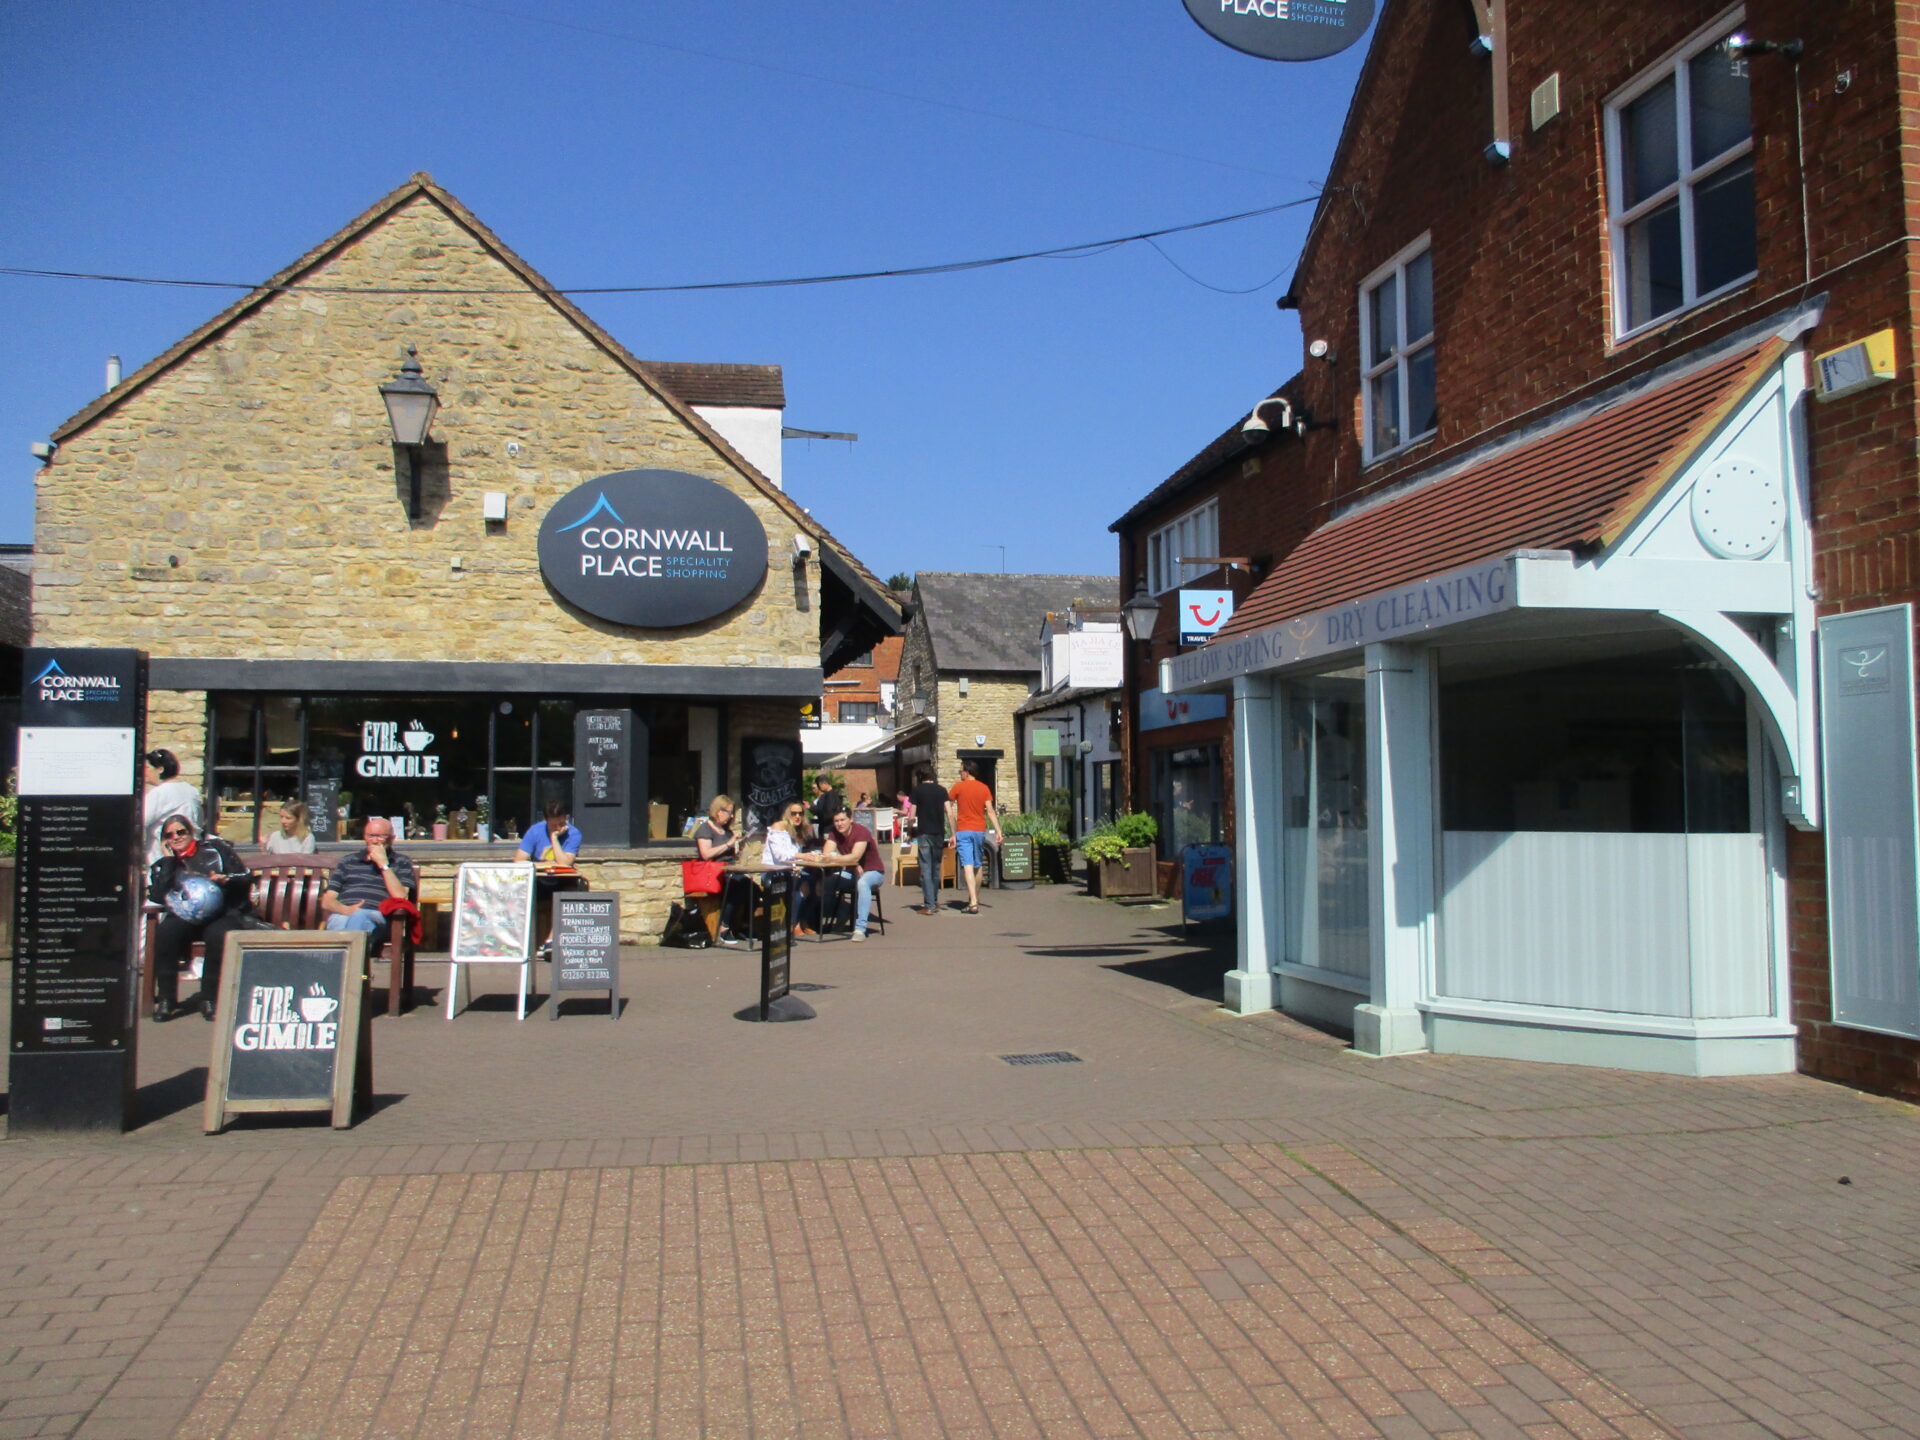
[
  {"x": 1120, "y": 857},
  {"x": 439, "y": 822},
  {"x": 482, "y": 816}
]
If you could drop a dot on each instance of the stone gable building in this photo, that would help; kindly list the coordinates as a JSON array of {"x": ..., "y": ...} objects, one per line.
[{"x": 239, "y": 508}]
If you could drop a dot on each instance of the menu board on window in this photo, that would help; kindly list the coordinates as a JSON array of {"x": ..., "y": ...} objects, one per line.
[
  {"x": 323, "y": 809},
  {"x": 602, "y": 763}
]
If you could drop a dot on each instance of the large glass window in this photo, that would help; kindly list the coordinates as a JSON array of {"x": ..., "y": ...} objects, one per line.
[
  {"x": 1195, "y": 533},
  {"x": 1651, "y": 744},
  {"x": 1680, "y": 182},
  {"x": 1187, "y": 797},
  {"x": 1323, "y": 835},
  {"x": 1396, "y": 341}
]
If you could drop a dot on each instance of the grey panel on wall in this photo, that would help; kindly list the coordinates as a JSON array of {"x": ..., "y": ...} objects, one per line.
[{"x": 1873, "y": 818}]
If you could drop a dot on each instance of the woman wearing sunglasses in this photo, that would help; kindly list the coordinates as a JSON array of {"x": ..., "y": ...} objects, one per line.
[
  {"x": 205, "y": 888},
  {"x": 786, "y": 837}
]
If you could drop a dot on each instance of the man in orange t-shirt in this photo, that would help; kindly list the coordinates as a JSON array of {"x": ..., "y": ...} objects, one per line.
[{"x": 971, "y": 814}]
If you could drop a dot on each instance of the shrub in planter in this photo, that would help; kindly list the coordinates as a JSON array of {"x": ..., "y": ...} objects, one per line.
[{"x": 1116, "y": 868}]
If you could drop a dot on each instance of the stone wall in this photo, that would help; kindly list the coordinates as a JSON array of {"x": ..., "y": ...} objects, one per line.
[
  {"x": 986, "y": 709},
  {"x": 247, "y": 503}
]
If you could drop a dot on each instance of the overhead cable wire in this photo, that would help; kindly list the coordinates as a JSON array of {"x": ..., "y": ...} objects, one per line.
[{"x": 1085, "y": 251}]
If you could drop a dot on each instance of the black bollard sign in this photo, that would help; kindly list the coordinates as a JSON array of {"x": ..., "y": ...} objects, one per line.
[
  {"x": 77, "y": 910},
  {"x": 776, "y": 950}
]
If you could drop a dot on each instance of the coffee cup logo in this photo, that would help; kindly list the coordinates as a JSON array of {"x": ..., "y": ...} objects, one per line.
[
  {"x": 316, "y": 1005},
  {"x": 417, "y": 738}
]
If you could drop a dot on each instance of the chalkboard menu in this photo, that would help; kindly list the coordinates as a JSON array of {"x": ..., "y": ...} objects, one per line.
[
  {"x": 601, "y": 759},
  {"x": 290, "y": 1032},
  {"x": 1016, "y": 861},
  {"x": 776, "y": 950},
  {"x": 586, "y": 947},
  {"x": 323, "y": 807},
  {"x": 76, "y": 915},
  {"x": 769, "y": 778}
]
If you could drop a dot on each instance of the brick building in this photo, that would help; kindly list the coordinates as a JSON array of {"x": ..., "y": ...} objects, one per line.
[
  {"x": 312, "y": 592},
  {"x": 1573, "y": 712}
]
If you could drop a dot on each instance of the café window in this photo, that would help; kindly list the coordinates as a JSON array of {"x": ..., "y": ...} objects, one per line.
[
  {"x": 1680, "y": 182},
  {"x": 462, "y": 762}
]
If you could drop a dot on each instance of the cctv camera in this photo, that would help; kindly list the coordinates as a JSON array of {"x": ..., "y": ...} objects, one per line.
[
  {"x": 802, "y": 547},
  {"x": 42, "y": 450}
]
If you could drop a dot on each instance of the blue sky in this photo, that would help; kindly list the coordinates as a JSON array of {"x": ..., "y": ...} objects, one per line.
[{"x": 1023, "y": 406}]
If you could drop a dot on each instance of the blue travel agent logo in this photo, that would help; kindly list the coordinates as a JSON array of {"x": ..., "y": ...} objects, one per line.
[
  {"x": 653, "y": 548},
  {"x": 55, "y": 685}
]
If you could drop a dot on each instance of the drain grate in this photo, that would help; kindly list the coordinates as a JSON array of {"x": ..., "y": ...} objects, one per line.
[{"x": 1044, "y": 1057}]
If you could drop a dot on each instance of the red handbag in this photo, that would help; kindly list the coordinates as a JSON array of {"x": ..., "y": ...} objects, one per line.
[{"x": 701, "y": 877}]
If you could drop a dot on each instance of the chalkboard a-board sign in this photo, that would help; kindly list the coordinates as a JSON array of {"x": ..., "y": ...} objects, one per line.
[
  {"x": 600, "y": 741},
  {"x": 586, "y": 947},
  {"x": 290, "y": 1031}
]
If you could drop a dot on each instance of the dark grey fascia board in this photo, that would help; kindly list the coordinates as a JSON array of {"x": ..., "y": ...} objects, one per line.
[
  {"x": 404, "y": 677},
  {"x": 883, "y": 611}
]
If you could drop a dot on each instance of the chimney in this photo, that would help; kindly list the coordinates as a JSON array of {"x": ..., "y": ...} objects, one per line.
[{"x": 113, "y": 371}]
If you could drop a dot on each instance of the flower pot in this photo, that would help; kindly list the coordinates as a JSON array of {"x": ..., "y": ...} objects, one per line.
[
  {"x": 486, "y": 830},
  {"x": 439, "y": 829}
]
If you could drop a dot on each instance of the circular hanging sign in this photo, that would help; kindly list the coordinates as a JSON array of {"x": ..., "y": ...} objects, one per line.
[
  {"x": 653, "y": 548},
  {"x": 1284, "y": 29}
]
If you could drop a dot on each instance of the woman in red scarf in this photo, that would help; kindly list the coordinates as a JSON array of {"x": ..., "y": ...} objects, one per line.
[{"x": 204, "y": 886}]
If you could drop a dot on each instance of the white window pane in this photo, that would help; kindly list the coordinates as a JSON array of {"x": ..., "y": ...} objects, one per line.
[
  {"x": 1419, "y": 282},
  {"x": 1422, "y": 411},
  {"x": 1649, "y": 144},
  {"x": 1721, "y": 111},
  {"x": 1654, "y": 280},
  {"x": 1385, "y": 396},
  {"x": 1383, "y": 314},
  {"x": 1723, "y": 242}
]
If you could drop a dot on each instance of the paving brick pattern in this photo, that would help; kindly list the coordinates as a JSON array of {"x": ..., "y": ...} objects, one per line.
[
  {"x": 869, "y": 1224},
  {"x": 1065, "y": 1293}
]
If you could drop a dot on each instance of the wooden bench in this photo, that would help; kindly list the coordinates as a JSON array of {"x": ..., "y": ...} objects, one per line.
[{"x": 286, "y": 894}]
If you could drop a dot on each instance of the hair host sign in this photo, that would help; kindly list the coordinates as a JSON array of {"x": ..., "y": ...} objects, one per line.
[
  {"x": 653, "y": 548},
  {"x": 1284, "y": 29}
]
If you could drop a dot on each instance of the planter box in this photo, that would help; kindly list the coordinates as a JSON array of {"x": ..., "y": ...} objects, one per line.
[
  {"x": 1050, "y": 863},
  {"x": 1131, "y": 876}
]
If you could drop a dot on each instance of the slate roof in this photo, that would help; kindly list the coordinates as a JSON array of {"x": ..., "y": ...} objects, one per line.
[
  {"x": 1578, "y": 486},
  {"x": 1054, "y": 699},
  {"x": 991, "y": 622},
  {"x": 697, "y": 383}
]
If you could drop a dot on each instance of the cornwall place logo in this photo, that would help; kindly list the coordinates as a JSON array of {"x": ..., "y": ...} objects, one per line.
[
  {"x": 56, "y": 685},
  {"x": 1284, "y": 29},
  {"x": 653, "y": 548}
]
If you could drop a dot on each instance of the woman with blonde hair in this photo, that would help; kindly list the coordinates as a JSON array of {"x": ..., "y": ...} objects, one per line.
[
  {"x": 295, "y": 835},
  {"x": 713, "y": 839}
]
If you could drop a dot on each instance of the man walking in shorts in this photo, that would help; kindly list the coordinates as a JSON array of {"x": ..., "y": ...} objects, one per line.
[{"x": 970, "y": 810}]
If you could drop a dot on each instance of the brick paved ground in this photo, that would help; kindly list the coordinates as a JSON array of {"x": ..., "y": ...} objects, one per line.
[{"x": 869, "y": 1225}]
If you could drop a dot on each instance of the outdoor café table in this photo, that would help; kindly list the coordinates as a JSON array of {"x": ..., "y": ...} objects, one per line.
[{"x": 811, "y": 860}]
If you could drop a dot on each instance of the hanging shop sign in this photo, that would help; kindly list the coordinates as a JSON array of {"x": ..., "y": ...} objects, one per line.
[
  {"x": 1284, "y": 29},
  {"x": 653, "y": 548},
  {"x": 1202, "y": 613}
]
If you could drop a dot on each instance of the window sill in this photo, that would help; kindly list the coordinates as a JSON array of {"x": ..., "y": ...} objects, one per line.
[
  {"x": 1400, "y": 452},
  {"x": 1657, "y": 328}
]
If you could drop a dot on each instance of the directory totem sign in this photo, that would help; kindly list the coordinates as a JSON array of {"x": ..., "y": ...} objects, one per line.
[{"x": 77, "y": 908}]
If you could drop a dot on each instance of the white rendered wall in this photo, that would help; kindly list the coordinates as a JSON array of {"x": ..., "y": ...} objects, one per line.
[{"x": 754, "y": 433}]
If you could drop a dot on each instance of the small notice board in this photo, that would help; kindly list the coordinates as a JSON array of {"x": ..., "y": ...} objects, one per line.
[
  {"x": 776, "y": 951},
  {"x": 492, "y": 922},
  {"x": 290, "y": 1032},
  {"x": 586, "y": 947}
]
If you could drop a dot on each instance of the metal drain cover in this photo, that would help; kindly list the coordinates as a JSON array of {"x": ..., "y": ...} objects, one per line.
[{"x": 1044, "y": 1057}]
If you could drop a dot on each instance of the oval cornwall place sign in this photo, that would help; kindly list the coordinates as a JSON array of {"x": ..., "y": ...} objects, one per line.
[
  {"x": 1284, "y": 29},
  {"x": 653, "y": 548}
]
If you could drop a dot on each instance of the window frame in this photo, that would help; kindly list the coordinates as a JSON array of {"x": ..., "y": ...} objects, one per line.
[
  {"x": 1687, "y": 180},
  {"x": 1166, "y": 543},
  {"x": 1403, "y": 351},
  {"x": 840, "y": 712}
]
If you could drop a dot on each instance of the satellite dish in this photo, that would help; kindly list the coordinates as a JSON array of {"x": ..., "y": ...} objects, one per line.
[{"x": 1284, "y": 29}]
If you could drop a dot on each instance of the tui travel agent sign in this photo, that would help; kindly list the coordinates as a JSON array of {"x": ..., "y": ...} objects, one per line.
[
  {"x": 653, "y": 548},
  {"x": 1284, "y": 29}
]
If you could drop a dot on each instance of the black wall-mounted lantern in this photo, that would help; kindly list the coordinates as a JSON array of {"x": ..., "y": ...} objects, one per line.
[
  {"x": 411, "y": 405},
  {"x": 1141, "y": 612}
]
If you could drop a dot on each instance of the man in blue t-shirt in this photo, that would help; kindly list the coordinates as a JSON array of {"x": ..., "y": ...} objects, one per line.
[{"x": 552, "y": 841}]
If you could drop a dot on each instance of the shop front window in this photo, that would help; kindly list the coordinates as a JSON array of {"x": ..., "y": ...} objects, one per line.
[
  {"x": 1326, "y": 872},
  {"x": 415, "y": 761},
  {"x": 1187, "y": 797}
]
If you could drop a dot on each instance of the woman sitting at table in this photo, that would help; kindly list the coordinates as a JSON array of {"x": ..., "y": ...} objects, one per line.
[
  {"x": 785, "y": 839},
  {"x": 713, "y": 839}
]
